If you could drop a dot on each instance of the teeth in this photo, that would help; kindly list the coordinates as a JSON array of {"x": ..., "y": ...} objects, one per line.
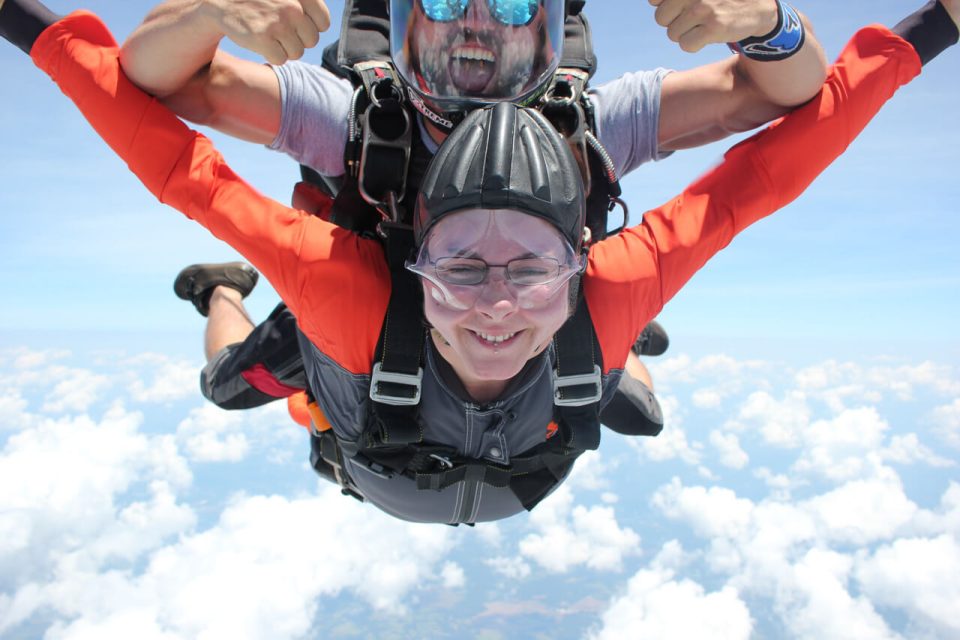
[
  {"x": 496, "y": 339},
  {"x": 475, "y": 53}
]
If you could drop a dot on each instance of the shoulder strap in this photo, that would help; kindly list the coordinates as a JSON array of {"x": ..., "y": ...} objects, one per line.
[
  {"x": 398, "y": 372},
  {"x": 577, "y": 382}
]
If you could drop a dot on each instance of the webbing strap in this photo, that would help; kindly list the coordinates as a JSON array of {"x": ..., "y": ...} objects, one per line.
[
  {"x": 578, "y": 44},
  {"x": 577, "y": 380},
  {"x": 395, "y": 385}
]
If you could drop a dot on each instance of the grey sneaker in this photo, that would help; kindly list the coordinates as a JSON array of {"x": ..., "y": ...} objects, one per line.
[
  {"x": 653, "y": 340},
  {"x": 197, "y": 282}
]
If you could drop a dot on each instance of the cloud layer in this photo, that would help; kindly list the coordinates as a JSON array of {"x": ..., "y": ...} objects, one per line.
[{"x": 808, "y": 503}]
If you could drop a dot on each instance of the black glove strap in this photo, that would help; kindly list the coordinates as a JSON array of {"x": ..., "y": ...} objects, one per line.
[
  {"x": 930, "y": 30},
  {"x": 22, "y": 22}
]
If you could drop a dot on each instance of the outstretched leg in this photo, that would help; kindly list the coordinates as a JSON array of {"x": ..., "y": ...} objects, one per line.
[
  {"x": 247, "y": 365},
  {"x": 634, "y": 410},
  {"x": 227, "y": 323}
]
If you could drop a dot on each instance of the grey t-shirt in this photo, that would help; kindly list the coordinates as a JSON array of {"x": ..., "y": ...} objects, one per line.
[{"x": 316, "y": 108}]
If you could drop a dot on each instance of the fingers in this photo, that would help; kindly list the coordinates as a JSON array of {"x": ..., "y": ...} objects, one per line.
[
  {"x": 278, "y": 30},
  {"x": 668, "y": 11},
  {"x": 318, "y": 13},
  {"x": 694, "y": 24}
]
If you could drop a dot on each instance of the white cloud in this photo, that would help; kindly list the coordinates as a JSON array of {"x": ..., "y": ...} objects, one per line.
[
  {"x": 907, "y": 449},
  {"x": 259, "y": 572},
  {"x": 658, "y": 605},
  {"x": 12, "y": 408},
  {"x": 514, "y": 568},
  {"x": 919, "y": 576},
  {"x": 210, "y": 434},
  {"x": 568, "y": 536},
  {"x": 838, "y": 381},
  {"x": 452, "y": 576},
  {"x": 817, "y": 603},
  {"x": 170, "y": 380},
  {"x": 837, "y": 449},
  {"x": 23, "y": 358},
  {"x": 672, "y": 442},
  {"x": 781, "y": 423},
  {"x": 707, "y": 398},
  {"x": 683, "y": 369},
  {"x": 862, "y": 511},
  {"x": 711, "y": 512},
  {"x": 728, "y": 446},
  {"x": 590, "y": 472},
  {"x": 947, "y": 421},
  {"x": 75, "y": 391}
]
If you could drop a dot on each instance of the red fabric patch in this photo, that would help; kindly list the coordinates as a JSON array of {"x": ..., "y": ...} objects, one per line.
[
  {"x": 260, "y": 378},
  {"x": 552, "y": 429}
]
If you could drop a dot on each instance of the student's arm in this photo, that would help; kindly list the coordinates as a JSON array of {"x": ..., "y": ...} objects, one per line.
[
  {"x": 174, "y": 55},
  {"x": 632, "y": 275},
  {"x": 737, "y": 94},
  {"x": 316, "y": 267}
]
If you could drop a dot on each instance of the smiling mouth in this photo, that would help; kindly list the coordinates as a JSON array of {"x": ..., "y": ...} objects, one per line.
[
  {"x": 495, "y": 339},
  {"x": 471, "y": 68}
]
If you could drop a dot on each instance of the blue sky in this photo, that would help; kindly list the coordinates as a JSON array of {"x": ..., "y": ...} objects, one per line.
[
  {"x": 864, "y": 259},
  {"x": 805, "y": 487}
]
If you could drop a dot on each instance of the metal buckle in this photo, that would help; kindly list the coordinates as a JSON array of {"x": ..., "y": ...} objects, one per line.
[
  {"x": 560, "y": 382},
  {"x": 407, "y": 379}
]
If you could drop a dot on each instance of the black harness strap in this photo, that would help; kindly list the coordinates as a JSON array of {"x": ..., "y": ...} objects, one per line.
[
  {"x": 398, "y": 372},
  {"x": 577, "y": 381}
]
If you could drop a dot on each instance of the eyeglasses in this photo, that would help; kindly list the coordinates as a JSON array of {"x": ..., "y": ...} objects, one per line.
[
  {"x": 460, "y": 281},
  {"x": 513, "y": 13},
  {"x": 524, "y": 272}
]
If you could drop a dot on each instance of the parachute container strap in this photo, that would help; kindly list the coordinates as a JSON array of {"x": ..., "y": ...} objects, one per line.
[
  {"x": 578, "y": 383},
  {"x": 578, "y": 44},
  {"x": 398, "y": 372},
  {"x": 364, "y": 35}
]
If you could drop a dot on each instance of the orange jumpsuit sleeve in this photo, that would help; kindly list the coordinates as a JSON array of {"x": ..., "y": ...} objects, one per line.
[
  {"x": 336, "y": 283},
  {"x": 632, "y": 275}
]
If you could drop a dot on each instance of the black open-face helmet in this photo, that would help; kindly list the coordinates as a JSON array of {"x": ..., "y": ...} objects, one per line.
[
  {"x": 457, "y": 55},
  {"x": 504, "y": 157}
]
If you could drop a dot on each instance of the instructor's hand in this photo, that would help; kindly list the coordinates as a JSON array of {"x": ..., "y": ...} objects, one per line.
[
  {"x": 278, "y": 30},
  {"x": 693, "y": 24}
]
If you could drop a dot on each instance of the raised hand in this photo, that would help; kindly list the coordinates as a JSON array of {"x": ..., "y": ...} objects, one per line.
[
  {"x": 278, "y": 30},
  {"x": 694, "y": 24}
]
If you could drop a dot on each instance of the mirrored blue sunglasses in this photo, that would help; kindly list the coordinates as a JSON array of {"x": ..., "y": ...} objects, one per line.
[{"x": 513, "y": 13}]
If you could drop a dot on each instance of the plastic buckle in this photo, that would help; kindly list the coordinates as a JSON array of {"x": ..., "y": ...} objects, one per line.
[
  {"x": 562, "y": 382},
  {"x": 406, "y": 379}
]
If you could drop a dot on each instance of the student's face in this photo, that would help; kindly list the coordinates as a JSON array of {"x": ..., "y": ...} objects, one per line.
[
  {"x": 488, "y": 331},
  {"x": 476, "y": 55}
]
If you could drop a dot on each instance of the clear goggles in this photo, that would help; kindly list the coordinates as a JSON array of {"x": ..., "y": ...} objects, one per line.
[{"x": 459, "y": 273}]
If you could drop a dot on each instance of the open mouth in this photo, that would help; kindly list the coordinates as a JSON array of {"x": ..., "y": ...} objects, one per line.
[
  {"x": 471, "y": 68},
  {"x": 495, "y": 340}
]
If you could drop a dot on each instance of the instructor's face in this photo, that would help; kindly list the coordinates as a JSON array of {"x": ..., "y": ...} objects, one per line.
[
  {"x": 475, "y": 56},
  {"x": 505, "y": 326}
]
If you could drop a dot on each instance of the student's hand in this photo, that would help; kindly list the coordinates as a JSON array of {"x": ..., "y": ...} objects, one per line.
[
  {"x": 278, "y": 30},
  {"x": 694, "y": 24}
]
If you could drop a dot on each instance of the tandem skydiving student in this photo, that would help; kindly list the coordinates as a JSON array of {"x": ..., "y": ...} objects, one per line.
[
  {"x": 451, "y": 57},
  {"x": 494, "y": 419}
]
